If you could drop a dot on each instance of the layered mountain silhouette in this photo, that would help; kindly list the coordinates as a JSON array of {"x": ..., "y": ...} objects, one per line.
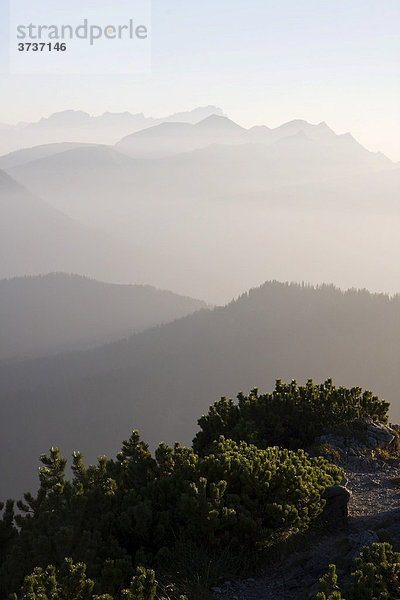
[
  {"x": 79, "y": 126},
  {"x": 229, "y": 208},
  {"x": 58, "y": 312},
  {"x": 235, "y": 205},
  {"x": 26, "y": 155},
  {"x": 214, "y": 158},
  {"x": 169, "y": 139},
  {"x": 160, "y": 380}
]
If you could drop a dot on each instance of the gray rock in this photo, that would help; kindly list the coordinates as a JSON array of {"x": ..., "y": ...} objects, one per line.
[
  {"x": 381, "y": 435},
  {"x": 333, "y": 440},
  {"x": 336, "y": 508},
  {"x": 359, "y": 540},
  {"x": 372, "y": 442}
]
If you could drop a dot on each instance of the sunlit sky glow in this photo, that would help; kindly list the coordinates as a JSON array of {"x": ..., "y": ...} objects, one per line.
[{"x": 262, "y": 61}]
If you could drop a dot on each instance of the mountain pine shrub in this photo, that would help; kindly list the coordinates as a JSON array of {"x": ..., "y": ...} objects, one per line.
[
  {"x": 134, "y": 510},
  {"x": 292, "y": 416},
  {"x": 70, "y": 583},
  {"x": 328, "y": 586},
  {"x": 377, "y": 577}
]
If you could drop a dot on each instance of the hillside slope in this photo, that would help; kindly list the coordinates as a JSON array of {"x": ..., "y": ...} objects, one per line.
[
  {"x": 26, "y": 155},
  {"x": 59, "y": 312},
  {"x": 36, "y": 238},
  {"x": 161, "y": 380}
]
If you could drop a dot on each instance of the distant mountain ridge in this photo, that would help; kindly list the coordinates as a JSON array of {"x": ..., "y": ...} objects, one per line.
[
  {"x": 59, "y": 312},
  {"x": 170, "y": 139},
  {"x": 79, "y": 126},
  {"x": 189, "y": 192},
  {"x": 175, "y": 198},
  {"x": 229, "y": 158}
]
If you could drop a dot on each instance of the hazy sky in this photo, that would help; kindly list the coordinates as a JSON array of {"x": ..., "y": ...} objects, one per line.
[{"x": 262, "y": 61}]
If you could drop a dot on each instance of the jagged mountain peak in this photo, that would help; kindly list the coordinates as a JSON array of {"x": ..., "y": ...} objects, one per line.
[{"x": 222, "y": 122}]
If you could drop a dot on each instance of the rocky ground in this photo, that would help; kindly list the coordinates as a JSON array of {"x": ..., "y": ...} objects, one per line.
[{"x": 374, "y": 516}]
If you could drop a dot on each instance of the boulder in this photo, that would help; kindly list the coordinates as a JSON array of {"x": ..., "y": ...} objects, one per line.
[
  {"x": 376, "y": 435},
  {"x": 336, "y": 509},
  {"x": 379, "y": 435}
]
